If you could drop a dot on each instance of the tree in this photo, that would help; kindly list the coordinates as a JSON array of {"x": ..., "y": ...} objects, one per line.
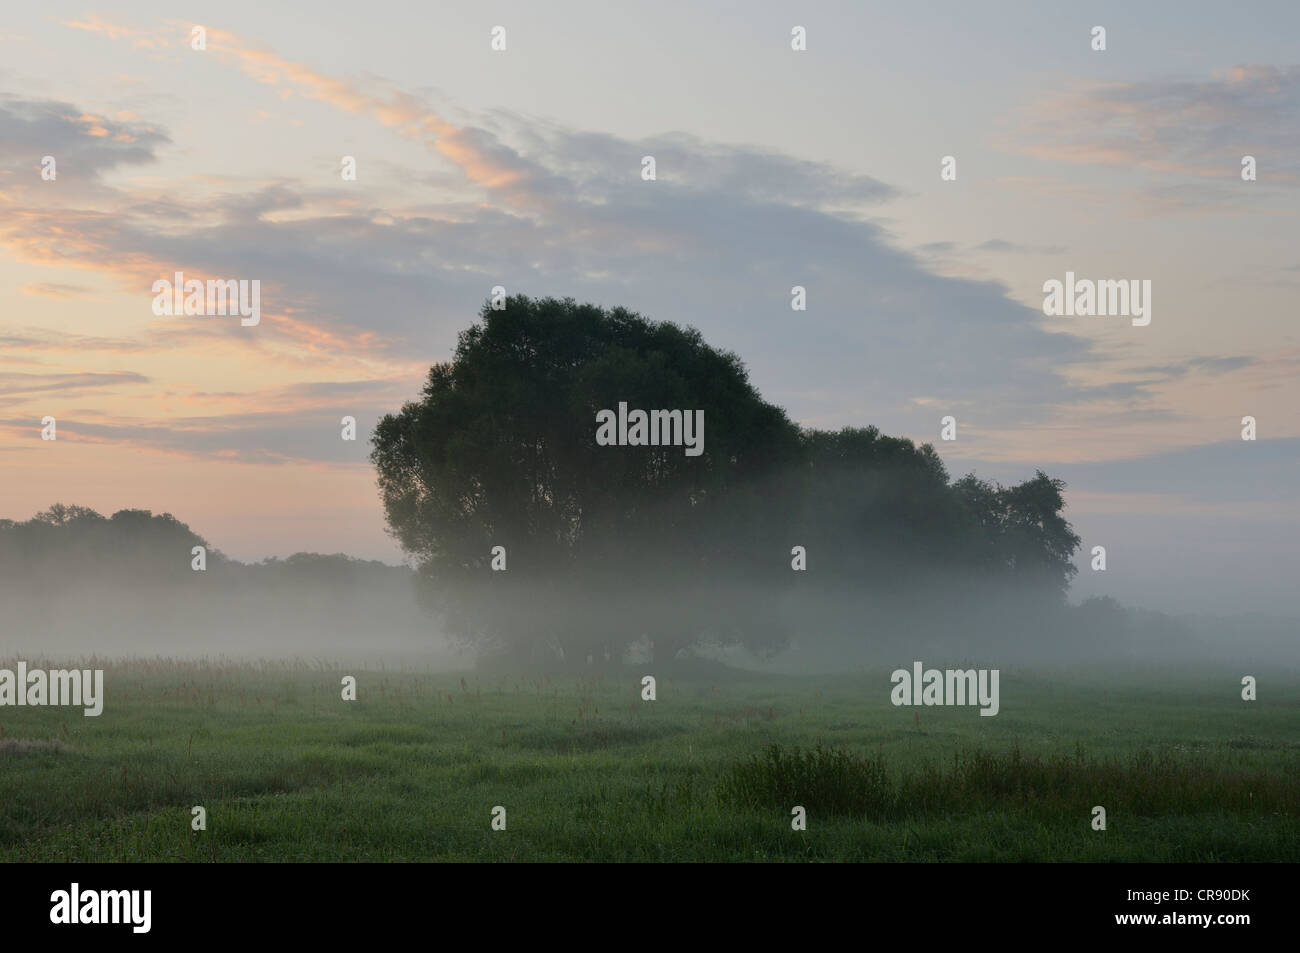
[
  {"x": 604, "y": 545},
  {"x": 600, "y": 541},
  {"x": 1020, "y": 530}
]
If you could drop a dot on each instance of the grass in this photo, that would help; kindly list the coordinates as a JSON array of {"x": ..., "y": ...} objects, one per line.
[
  {"x": 1051, "y": 789},
  {"x": 287, "y": 771}
]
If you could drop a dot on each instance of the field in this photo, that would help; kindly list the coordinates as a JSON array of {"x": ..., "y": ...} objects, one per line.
[{"x": 586, "y": 770}]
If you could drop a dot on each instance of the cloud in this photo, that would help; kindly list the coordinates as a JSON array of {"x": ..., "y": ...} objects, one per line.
[
  {"x": 1208, "y": 365},
  {"x": 476, "y": 152},
  {"x": 1198, "y": 128},
  {"x": 13, "y": 384},
  {"x": 283, "y": 424},
  {"x": 997, "y": 246},
  {"x": 40, "y": 339},
  {"x": 1000, "y": 246},
  {"x": 717, "y": 242},
  {"x": 140, "y": 39},
  {"x": 85, "y": 146},
  {"x": 41, "y": 289},
  {"x": 280, "y": 437},
  {"x": 1233, "y": 471}
]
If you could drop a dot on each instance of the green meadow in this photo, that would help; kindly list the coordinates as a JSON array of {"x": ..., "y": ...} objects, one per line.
[{"x": 709, "y": 771}]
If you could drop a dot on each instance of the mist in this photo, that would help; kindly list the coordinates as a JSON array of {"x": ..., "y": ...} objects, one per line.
[{"x": 75, "y": 584}]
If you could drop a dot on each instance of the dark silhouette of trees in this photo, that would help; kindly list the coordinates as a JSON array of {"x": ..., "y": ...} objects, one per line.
[
  {"x": 605, "y": 545},
  {"x": 1019, "y": 530},
  {"x": 128, "y": 579}
]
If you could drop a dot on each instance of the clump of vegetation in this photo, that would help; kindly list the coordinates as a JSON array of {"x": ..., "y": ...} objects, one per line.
[
  {"x": 830, "y": 780},
  {"x": 834, "y": 781},
  {"x": 20, "y": 746}
]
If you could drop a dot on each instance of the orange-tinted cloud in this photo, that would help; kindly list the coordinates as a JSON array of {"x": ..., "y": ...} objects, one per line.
[{"x": 1183, "y": 127}]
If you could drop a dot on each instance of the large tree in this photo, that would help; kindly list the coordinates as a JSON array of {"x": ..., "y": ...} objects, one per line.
[
  {"x": 608, "y": 544},
  {"x": 603, "y": 544}
]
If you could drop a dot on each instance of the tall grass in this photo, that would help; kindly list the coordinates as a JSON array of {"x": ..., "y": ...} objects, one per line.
[{"x": 835, "y": 781}]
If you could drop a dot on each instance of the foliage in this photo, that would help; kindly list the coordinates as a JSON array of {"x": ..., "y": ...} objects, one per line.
[{"x": 606, "y": 546}]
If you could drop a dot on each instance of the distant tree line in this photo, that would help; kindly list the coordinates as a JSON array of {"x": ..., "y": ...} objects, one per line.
[
  {"x": 83, "y": 577},
  {"x": 77, "y": 543}
]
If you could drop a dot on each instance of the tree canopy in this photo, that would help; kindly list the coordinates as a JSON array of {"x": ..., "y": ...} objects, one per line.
[{"x": 605, "y": 545}]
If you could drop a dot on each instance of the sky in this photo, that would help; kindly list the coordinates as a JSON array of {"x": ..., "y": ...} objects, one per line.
[{"x": 522, "y": 168}]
